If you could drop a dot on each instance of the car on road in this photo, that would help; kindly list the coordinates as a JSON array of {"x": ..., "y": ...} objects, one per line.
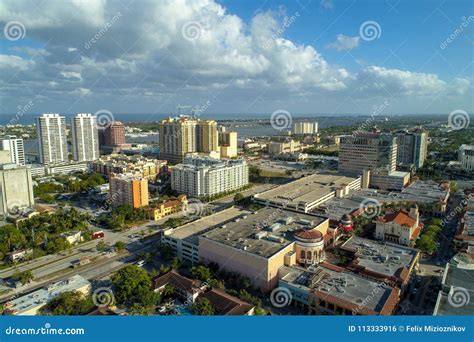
[{"x": 141, "y": 263}]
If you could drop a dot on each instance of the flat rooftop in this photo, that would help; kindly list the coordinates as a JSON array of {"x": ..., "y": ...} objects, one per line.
[
  {"x": 305, "y": 190},
  {"x": 418, "y": 192},
  {"x": 381, "y": 257},
  {"x": 360, "y": 292},
  {"x": 469, "y": 220},
  {"x": 42, "y": 296},
  {"x": 264, "y": 232},
  {"x": 190, "y": 231},
  {"x": 459, "y": 277}
]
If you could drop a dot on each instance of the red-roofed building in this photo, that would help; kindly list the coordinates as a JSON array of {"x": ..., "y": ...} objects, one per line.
[
  {"x": 400, "y": 226},
  {"x": 187, "y": 289},
  {"x": 226, "y": 305}
]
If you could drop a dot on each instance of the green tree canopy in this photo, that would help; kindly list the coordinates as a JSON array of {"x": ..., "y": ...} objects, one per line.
[
  {"x": 68, "y": 303},
  {"x": 203, "y": 307}
]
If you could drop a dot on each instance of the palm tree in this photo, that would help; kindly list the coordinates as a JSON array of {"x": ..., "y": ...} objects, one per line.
[{"x": 168, "y": 291}]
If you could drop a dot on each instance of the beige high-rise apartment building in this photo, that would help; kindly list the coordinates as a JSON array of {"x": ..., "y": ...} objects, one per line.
[
  {"x": 129, "y": 189},
  {"x": 206, "y": 136},
  {"x": 305, "y": 128},
  {"x": 182, "y": 135},
  {"x": 368, "y": 151},
  {"x": 199, "y": 176}
]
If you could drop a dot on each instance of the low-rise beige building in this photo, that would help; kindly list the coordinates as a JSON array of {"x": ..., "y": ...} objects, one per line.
[
  {"x": 277, "y": 147},
  {"x": 166, "y": 208},
  {"x": 307, "y": 193},
  {"x": 256, "y": 245}
]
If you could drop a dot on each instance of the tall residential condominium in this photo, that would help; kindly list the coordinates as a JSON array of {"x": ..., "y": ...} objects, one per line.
[
  {"x": 182, "y": 135},
  {"x": 114, "y": 134},
  {"x": 305, "y": 128},
  {"x": 16, "y": 189},
  {"x": 15, "y": 146},
  {"x": 206, "y": 136},
  {"x": 368, "y": 151},
  {"x": 228, "y": 144},
  {"x": 466, "y": 157},
  {"x": 52, "y": 138},
  {"x": 129, "y": 189},
  {"x": 412, "y": 147},
  {"x": 199, "y": 176},
  {"x": 85, "y": 138}
]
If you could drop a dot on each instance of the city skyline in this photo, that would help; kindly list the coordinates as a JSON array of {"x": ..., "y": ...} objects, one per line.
[
  {"x": 177, "y": 158},
  {"x": 307, "y": 57}
]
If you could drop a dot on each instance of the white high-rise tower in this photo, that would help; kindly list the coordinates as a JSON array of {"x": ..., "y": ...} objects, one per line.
[
  {"x": 85, "y": 137},
  {"x": 52, "y": 138},
  {"x": 15, "y": 146}
]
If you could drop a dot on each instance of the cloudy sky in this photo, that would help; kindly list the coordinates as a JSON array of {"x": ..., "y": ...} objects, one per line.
[{"x": 303, "y": 56}]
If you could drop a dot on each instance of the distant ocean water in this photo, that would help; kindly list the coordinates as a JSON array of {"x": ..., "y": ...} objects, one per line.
[{"x": 339, "y": 119}]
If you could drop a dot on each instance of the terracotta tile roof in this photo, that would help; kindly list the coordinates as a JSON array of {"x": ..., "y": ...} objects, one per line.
[
  {"x": 172, "y": 203},
  {"x": 177, "y": 280},
  {"x": 400, "y": 217},
  {"x": 225, "y": 304},
  {"x": 307, "y": 234},
  {"x": 417, "y": 232}
]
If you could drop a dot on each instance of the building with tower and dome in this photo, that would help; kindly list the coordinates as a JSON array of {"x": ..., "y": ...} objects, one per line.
[
  {"x": 399, "y": 226},
  {"x": 309, "y": 246}
]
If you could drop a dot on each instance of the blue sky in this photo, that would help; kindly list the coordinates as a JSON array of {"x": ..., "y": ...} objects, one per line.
[
  {"x": 304, "y": 56},
  {"x": 416, "y": 28}
]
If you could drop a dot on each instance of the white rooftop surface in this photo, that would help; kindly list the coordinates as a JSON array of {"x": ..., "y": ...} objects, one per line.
[
  {"x": 380, "y": 257},
  {"x": 190, "y": 230},
  {"x": 343, "y": 285},
  {"x": 42, "y": 296},
  {"x": 307, "y": 189}
]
